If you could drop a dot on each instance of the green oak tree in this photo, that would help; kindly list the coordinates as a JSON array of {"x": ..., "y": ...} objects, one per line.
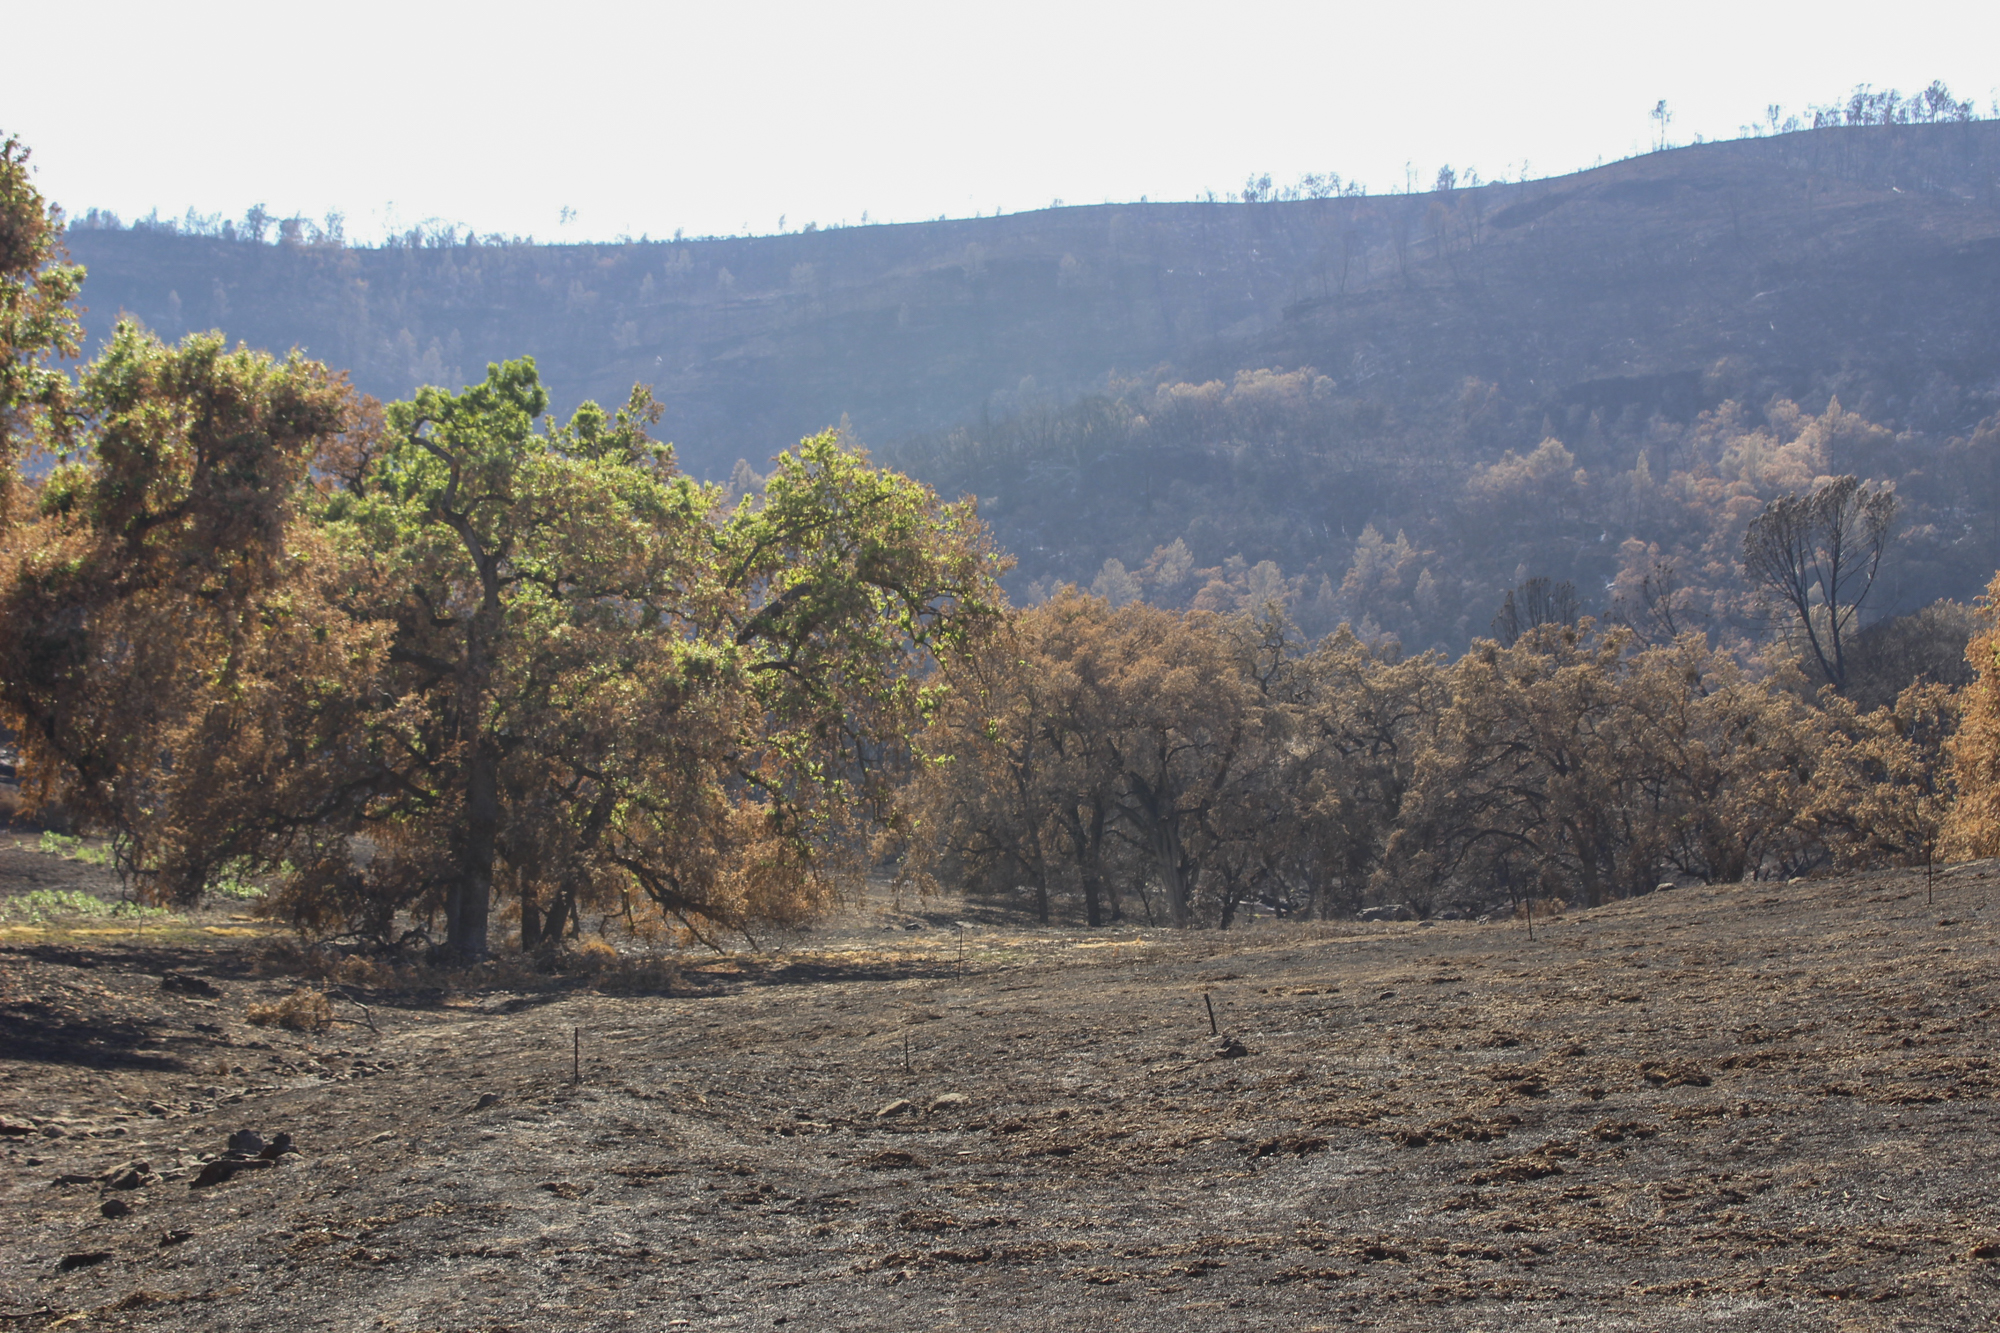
[
  {"x": 605, "y": 681},
  {"x": 450, "y": 654},
  {"x": 38, "y": 321}
]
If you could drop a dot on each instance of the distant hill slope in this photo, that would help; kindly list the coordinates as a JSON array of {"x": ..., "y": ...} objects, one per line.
[{"x": 1863, "y": 261}]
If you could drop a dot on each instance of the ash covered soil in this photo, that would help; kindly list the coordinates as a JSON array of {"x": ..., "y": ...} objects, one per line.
[{"x": 1756, "y": 1107}]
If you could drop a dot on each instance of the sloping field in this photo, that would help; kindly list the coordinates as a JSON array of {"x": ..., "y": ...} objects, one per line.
[{"x": 1756, "y": 1107}]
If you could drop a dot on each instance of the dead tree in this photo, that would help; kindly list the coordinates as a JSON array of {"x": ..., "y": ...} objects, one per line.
[{"x": 1818, "y": 554}]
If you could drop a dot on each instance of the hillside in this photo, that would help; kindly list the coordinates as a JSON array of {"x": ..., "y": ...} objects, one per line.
[
  {"x": 1342, "y": 403},
  {"x": 1862, "y": 259},
  {"x": 1765, "y": 1104}
]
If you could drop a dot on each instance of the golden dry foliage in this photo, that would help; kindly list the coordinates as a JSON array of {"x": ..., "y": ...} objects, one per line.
[
  {"x": 1884, "y": 789},
  {"x": 475, "y": 657},
  {"x": 1098, "y": 746},
  {"x": 1569, "y": 766},
  {"x": 1974, "y": 829},
  {"x": 1001, "y": 776},
  {"x": 1182, "y": 734},
  {"x": 304, "y": 1010},
  {"x": 1524, "y": 788},
  {"x": 172, "y": 649},
  {"x": 1197, "y": 765},
  {"x": 1363, "y": 717}
]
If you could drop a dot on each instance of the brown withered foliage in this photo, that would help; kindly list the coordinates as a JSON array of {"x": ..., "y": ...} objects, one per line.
[
  {"x": 1120, "y": 749},
  {"x": 173, "y": 652},
  {"x": 447, "y": 655},
  {"x": 1185, "y": 766},
  {"x": 1975, "y": 751}
]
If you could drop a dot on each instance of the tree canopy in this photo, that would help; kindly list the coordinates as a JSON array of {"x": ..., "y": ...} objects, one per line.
[
  {"x": 447, "y": 653},
  {"x": 455, "y": 658},
  {"x": 38, "y": 321}
]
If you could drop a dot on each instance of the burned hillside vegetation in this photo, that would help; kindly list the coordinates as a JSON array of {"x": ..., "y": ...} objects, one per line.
[{"x": 1345, "y": 827}]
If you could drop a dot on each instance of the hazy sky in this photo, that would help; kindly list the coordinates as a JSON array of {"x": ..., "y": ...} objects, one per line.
[{"x": 723, "y": 117}]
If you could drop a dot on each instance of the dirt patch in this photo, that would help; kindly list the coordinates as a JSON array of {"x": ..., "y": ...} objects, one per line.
[{"x": 1767, "y": 1107}]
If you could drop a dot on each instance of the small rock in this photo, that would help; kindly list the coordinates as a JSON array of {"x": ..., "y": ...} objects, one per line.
[
  {"x": 175, "y": 1237},
  {"x": 223, "y": 1169},
  {"x": 901, "y": 1106},
  {"x": 115, "y": 1208},
  {"x": 1673, "y": 1074},
  {"x": 156, "y": 1108},
  {"x": 129, "y": 1176},
  {"x": 950, "y": 1101},
  {"x": 890, "y": 1159},
  {"x": 14, "y": 1128},
  {"x": 178, "y": 983},
  {"x": 69, "y": 1263}
]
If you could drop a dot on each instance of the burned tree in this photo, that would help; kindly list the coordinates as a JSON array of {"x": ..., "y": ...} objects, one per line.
[{"x": 1818, "y": 554}]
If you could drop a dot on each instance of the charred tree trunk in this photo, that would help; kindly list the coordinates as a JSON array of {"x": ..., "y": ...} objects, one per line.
[
  {"x": 471, "y": 900},
  {"x": 466, "y": 928},
  {"x": 531, "y": 921}
]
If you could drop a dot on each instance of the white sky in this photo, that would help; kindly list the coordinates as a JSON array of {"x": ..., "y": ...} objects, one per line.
[{"x": 720, "y": 118}]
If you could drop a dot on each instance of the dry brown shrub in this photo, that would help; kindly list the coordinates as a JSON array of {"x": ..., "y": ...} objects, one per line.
[
  {"x": 1975, "y": 750},
  {"x": 650, "y": 975},
  {"x": 508, "y": 971},
  {"x": 592, "y": 956},
  {"x": 304, "y": 1010},
  {"x": 289, "y": 958},
  {"x": 359, "y": 971},
  {"x": 1540, "y": 907}
]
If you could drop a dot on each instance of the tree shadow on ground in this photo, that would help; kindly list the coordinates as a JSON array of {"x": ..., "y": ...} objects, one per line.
[{"x": 44, "y": 1033}]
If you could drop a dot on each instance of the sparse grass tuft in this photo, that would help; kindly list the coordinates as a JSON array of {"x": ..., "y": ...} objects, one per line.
[
  {"x": 44, "y": 905},
  {"x": 229, "y": 886},
  {"x": 72, "y": 849},
  {"x": 372, "y": 972}
]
